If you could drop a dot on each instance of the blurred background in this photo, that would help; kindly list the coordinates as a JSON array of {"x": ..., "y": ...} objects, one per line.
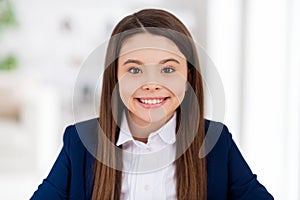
[{"x": 255, "y": 46}]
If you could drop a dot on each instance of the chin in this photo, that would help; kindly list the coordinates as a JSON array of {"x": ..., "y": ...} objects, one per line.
[{"x": 153, "y": 116}]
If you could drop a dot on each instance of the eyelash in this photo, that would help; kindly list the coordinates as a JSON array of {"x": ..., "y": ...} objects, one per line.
[
  {"x": 168, "y": 68},
  {"x": 133, "y": 70}
]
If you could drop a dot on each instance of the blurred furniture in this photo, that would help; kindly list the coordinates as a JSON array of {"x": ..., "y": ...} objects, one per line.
[{"x": 29, "y": 111}]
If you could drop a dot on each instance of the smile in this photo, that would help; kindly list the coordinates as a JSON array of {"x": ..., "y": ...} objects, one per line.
[{"x": 152, "y": 102}]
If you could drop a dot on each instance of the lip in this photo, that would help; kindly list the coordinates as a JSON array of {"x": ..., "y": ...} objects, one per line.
[{"x": 155, "y": 101}]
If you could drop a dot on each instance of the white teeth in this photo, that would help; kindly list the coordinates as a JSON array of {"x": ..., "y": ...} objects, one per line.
[{"x": 151, "y": 101}]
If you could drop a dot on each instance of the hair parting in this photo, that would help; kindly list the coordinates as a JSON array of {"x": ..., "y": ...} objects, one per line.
[{"x": 138, "y": 21}]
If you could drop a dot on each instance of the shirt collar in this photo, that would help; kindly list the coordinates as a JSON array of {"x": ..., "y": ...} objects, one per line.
[{"x": 166, "y": 132}]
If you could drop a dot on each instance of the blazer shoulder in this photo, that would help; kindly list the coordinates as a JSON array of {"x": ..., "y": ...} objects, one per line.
[
  {"x": 81, "y": 135},
  {"x": 217, "y": 128},
  {"x": 217, "y": 137}
]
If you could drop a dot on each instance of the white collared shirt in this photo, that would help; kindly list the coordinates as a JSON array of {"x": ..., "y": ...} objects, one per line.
[{"x": 148, "y": 169}]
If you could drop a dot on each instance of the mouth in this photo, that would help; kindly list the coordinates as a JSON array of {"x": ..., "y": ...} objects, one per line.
[{"x": 152, "y": 102}]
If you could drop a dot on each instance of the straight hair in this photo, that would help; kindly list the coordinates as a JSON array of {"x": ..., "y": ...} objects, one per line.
[{"x": 190, "y": 170}]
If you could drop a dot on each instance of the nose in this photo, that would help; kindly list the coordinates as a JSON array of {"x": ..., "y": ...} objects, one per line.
[{"x": 151, "y": 87}]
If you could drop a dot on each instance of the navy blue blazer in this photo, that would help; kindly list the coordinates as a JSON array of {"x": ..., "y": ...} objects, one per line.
[{"x": 71, "y": 177}]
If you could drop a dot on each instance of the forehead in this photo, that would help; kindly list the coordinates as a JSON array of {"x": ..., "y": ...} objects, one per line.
[{"x": 145, "y": 42}]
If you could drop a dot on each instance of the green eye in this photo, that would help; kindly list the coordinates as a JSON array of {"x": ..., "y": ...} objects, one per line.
[
  {"x": 135, "y": 70},
  {"x": 167, "y": 70}
]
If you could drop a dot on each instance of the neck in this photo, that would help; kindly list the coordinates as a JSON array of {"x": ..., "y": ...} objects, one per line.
[{"x": 140, "y": 130}]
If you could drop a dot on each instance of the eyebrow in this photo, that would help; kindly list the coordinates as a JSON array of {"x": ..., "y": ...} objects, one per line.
[
  {"x": 169, "y": 60},
  {"x": 161, "y": 62},
  {"x": 133, "y": 61}
]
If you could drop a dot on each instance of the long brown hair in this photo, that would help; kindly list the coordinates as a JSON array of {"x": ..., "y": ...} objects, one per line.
[{"x": 190, "y": 169}]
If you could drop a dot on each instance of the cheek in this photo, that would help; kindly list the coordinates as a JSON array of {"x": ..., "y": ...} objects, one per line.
[
  {"x": 177, "y": 86},
  {"x": 179, "y": 93},
  {"x": 127, "y": 87},
  {"x": 125, "y": 93}
]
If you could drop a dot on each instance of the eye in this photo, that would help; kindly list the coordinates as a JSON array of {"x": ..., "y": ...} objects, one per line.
[
  {"x": 167, "y": 70},
  {"x": 135, "y": 70}
]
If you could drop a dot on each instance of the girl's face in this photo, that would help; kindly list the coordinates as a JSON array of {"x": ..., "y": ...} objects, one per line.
[{"x": 152, "y": 77}]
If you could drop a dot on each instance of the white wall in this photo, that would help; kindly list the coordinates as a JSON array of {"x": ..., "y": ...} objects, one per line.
[{"x": 255, "y": 45}]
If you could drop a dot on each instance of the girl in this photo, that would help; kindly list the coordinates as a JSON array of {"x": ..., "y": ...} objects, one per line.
[{"x": 147, "y": 140}]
